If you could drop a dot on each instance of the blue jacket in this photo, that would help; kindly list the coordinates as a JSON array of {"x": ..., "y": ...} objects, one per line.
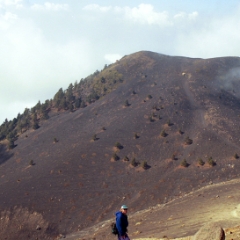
[{"x": 121, "y": 223}]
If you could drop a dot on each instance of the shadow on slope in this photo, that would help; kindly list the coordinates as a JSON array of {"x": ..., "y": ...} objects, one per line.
[{"x": 4, "y": 154}]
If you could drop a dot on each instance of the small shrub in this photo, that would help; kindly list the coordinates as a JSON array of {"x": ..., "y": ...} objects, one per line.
[
  {"x": 169, "y": 123},
  {"x": 144, "y": 165},
  {"x": 11, "y": 144},
  {"x": 201, "y": 162},
  {"x": 126, "y": 103},
  {"x": 236, "y": 156},
  {"x": 188, "y": 141},
  {"x": 211, "y": 162},
  {"x": 126, "y": 159},
  {"x": 55, "y": 140},
  {"x": 94, "y": 137},
  {"x": 151, "y": 119},
  {"x": 118, "y": 145},
  {"x": 163, "y": 133},
  {"x": 134, "y": 162},
  {"x": 31, "y": 163},
  {"x": 149, "y": 96},
  {"x": 173, "y": 157},
  {"x": 136, "y": 135},
  {"x": 184, "y": 163},
  {"x": 180, "y": 131},
  {"x": 115, "y": 157},
  {"x": 103, "y": 128}
]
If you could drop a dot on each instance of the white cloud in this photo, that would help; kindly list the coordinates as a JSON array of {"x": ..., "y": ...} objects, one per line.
[
  {"x": 112, "y": 57},
  {"x": 146, "y": 14},
  {"x": 7, "y": 19},
  {"x": 50, "y": 7},
  {"x": 16, "y": 3},
  {"x": 97, "y": 8}
]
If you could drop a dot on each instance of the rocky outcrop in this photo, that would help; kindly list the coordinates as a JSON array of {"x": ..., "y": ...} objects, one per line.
[{"x": 210, "y": 231}]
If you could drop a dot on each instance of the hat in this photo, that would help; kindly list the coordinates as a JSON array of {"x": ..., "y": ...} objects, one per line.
[{"x": 124, "y": 207}]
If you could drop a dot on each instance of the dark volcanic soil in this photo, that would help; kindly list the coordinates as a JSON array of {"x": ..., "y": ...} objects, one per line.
[{"x": 75, "y": 183}]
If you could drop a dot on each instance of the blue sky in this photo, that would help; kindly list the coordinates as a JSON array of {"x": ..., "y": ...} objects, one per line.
[{"x": 46, "y": 45}]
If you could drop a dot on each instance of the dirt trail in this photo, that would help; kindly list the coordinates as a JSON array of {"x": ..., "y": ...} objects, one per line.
[{"x": 181, "y": 217}]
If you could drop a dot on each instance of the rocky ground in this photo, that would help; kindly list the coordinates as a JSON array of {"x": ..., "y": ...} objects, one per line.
[{"x": 183, "y": 217}]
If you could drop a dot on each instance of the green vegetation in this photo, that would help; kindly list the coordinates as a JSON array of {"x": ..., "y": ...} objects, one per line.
[
  {"x": 31, "y": 163},
  {"x": 211, "y": 162},
  {"x": 115, "y": 157},
  {"x": 134, "y": 163},
  {"x": 236, "y": 156},
  {"x": 188, "y": 141},
  {"x": 163, "y": 133},
  {"x": 144, "y": 165},
  {"x": 149, "y": 96},
  {"x": 126, "y": 103},
  {"x": 118, "y": 145},
  {"x": 184, "y": 163},
  {"x": 201, "y": 162},
  {"x": 94, "y": 137},
  {"x": 87, "y": 90}
]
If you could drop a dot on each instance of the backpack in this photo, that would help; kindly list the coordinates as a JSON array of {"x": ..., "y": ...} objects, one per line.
[{"x": 114, "y": 229}]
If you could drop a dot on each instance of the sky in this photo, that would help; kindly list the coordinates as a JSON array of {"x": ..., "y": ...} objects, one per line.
[{"x": 46, "y": 45}]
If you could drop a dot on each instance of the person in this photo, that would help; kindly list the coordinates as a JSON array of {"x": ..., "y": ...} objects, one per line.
[{"x": 122, "y": 223}]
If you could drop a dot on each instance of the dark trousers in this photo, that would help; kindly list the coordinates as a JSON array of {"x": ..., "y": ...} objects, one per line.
[{"x": 121, "y": 238}]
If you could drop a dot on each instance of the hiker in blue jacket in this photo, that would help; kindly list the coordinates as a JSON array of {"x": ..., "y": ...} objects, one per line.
[{"x": 122, "y": 223}]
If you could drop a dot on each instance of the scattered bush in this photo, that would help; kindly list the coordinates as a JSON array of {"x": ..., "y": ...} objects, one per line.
[
  {"x": 173, "y": 157},
  {"x": 126, "y": 103},
  {"x": 126, "y": 159},
  {"x": 103, "y": 128},
  {"x": 180, "y": 131},
  {"x": 55, "y": 140},
  {"x": 134, "y": 162},
  {"x": 188, "y": 141},
  {"x": 94, "y": 137},
  {"x": 184, "y": 163},
  {"x": 115, "y": 157},
  {"x": 31, "y": 163},
  {"x": 144, "y": 165},
  {"x": 163, "y": 133},
  {"x": 211, "y": 162},
  {"x": 236, "y": 156},
  {"x": 149, "y": 96},
  {"x": 201, "y": 162},
  {"x": 118, "y": 145},
  {"x": 136, "y": 135},
  {"x": 169, "y": 123}
]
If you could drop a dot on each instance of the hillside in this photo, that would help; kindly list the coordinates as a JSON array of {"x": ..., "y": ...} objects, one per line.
[{"x": 161, "y": 110}]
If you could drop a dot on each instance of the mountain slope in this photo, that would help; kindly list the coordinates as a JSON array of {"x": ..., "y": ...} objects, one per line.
[{"x": 75, "y": 181}]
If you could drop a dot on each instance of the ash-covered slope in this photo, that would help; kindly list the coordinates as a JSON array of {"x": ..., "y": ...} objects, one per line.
[{"x": 75, "y": 181}]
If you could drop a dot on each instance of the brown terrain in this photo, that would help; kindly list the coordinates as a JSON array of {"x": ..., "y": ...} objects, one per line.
[{"x": 75, "y": 185}]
